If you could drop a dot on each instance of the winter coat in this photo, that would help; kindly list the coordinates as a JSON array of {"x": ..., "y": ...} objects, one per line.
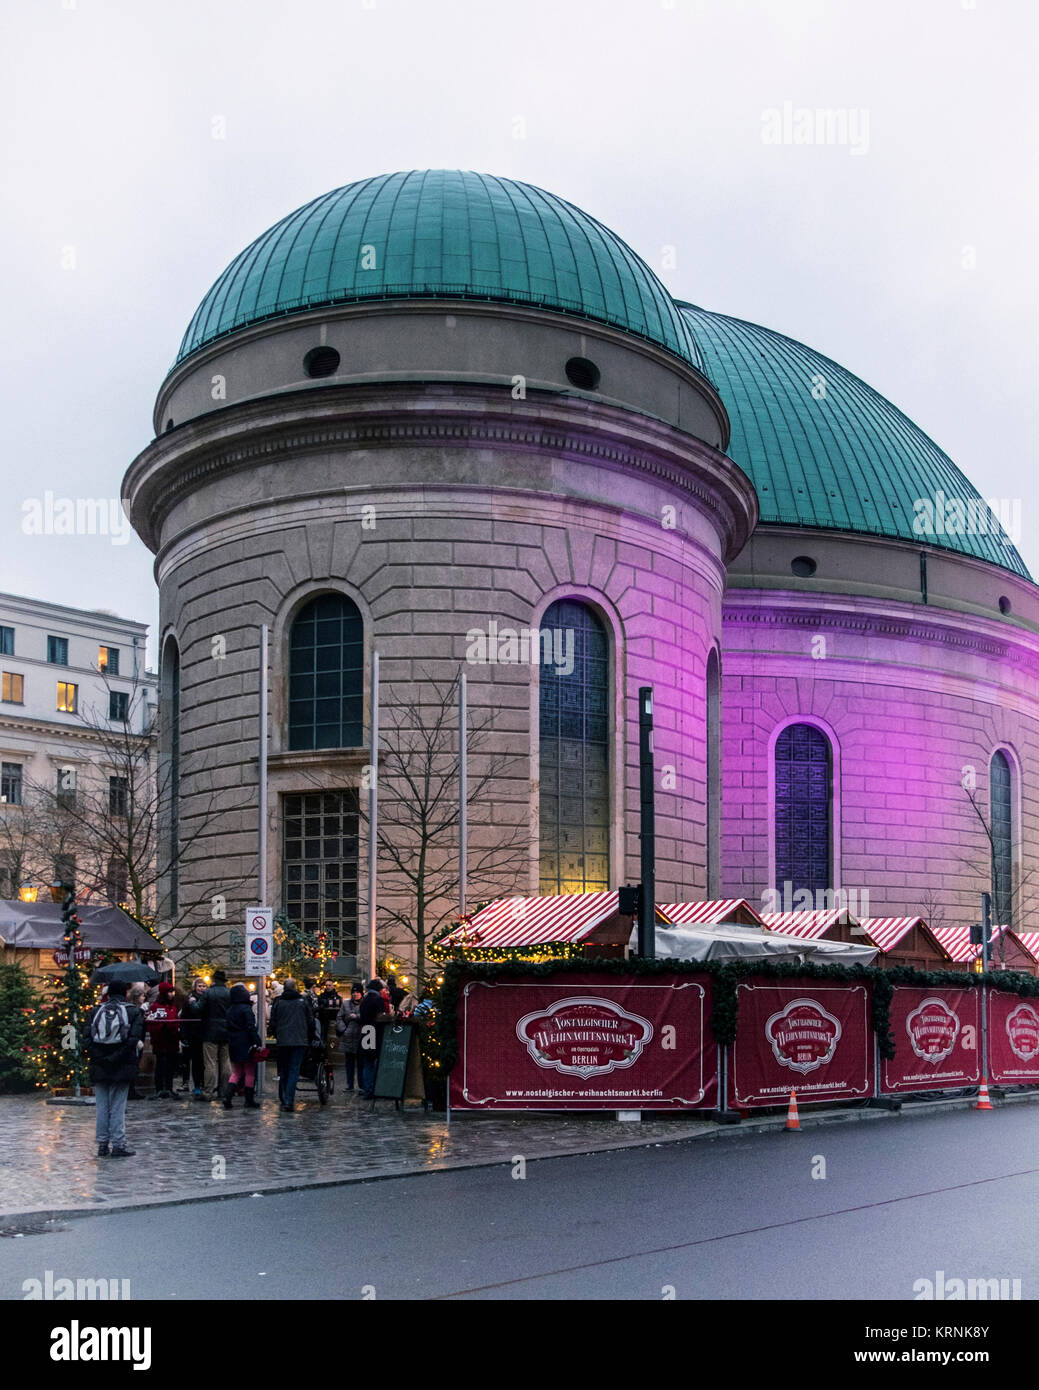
[
  {"x": 163, "y": 1025},
  {"x": 373, "y": 1006},
  {"x": 115, "y": 1062},
  {"x": 191, "y": 1015},
  {"x": 215, "y": 1004},
  {"x": 242, "y": 1036},
  {"x": 292, "y": 1019},
  {"x": 348, "y": 1024}
]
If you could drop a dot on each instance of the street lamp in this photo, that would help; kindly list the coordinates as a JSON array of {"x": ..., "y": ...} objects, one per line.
[{"x": 27, "y": 892}]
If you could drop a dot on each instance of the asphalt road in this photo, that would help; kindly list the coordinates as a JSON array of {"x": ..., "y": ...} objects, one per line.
[{"x": 735, "y": 1218}]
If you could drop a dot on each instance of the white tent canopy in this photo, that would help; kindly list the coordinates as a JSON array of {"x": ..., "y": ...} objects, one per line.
[{"x": 731, "y": 942}]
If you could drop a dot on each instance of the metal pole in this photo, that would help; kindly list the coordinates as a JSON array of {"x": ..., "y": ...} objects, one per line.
[
  {"x": 463, "y": 792},
  {"x": 986, "y": 927},
  {"x": 261, "y": 877},
  {"x": 647, "y": 830},
  {"x": 373, "y": 812}
]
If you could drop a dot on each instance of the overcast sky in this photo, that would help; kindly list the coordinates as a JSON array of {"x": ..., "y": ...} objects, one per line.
[{"x": 906, "y": 253}]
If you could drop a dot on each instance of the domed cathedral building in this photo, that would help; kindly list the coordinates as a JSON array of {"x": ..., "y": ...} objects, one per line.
[{"x": 454, "y": 420}]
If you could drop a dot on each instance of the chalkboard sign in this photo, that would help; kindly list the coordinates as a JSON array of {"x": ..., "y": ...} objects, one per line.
[{"x": 399, "y": 1075}]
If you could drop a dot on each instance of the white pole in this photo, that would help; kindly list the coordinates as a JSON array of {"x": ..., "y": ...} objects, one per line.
[
  {"x": 373, "y": 813},
  {"x": 463, "y": 792},
  {"x": 261, "y": 883}
]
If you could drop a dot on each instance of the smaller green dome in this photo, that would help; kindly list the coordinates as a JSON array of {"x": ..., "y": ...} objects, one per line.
[{"x": 441, "y": 234}]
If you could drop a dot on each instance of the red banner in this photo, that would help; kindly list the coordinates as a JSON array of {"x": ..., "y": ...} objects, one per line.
[
  {"x": 585, "y": 1042},
  {"x": 1013, "y": 1038},
  {"x": 804, "y": 1036},
  {"x": 937, "y": 1034}
]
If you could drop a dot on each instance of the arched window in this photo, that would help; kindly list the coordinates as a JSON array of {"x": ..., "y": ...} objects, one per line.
[
  {"x": 574, "y": 751},
  {"x": 171, "y": 790},
  {"x": 326, "y": 675},
  {"x": 804, "y": 780},
  {"x": 1002, "y": 840},
  {"x": 714, "y": 780}
]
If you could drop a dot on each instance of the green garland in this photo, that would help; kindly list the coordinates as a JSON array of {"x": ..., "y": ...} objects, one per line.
[{"x": 725, "y": 977}]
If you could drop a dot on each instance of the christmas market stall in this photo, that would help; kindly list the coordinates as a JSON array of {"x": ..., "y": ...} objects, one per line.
[
  {"x": 32, "y": 935},
  {"x": 906, "y": 941}
]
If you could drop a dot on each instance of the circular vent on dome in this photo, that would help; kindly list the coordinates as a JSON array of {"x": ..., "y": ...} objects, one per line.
[{"x": 321, "y": 361}]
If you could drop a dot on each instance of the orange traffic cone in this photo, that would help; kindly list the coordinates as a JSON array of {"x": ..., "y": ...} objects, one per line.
[
  {"x": 792, "y": 1122},
  {"x": 983, "y": 1102}
]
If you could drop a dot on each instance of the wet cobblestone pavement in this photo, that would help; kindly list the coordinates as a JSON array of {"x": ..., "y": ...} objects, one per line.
[{"x": 189, "y": 1150}]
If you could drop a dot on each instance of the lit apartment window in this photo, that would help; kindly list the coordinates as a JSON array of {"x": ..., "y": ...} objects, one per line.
[
  {"x": 13, "y": 692},
  {"x": 108, "y": 660},
  {"x": 6, "y": 641},
  {"x": 118, "y": 706},
  {"x": 11, "y": 783},
  {"x": 58, "y": 651},
  {"x": 67, "y": 696},
  {"x": 118, "y": 796},
  {"x": 66, "y": 790}
]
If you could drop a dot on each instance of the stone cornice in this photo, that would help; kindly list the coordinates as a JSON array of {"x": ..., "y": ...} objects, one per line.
[{"x": 405, "y": 417}]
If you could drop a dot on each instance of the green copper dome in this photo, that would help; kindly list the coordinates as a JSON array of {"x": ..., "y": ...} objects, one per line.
[
  {"x": 441, "y": 234},
  {"x": 824, "y": 449}
]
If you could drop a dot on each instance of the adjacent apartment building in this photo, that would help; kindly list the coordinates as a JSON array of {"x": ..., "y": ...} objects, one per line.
[{"x": 77, "y": 718}]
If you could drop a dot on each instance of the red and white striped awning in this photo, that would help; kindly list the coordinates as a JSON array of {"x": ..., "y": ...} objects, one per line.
[
  {"x": 1030, "y": 941},
  {"x": 807, "y": 925},
  {"x": 706, "y": 914},
  {"x": 534, "y": 921},
  {"x": 956, "y": 940},
  {"x": 887, "y": 932}
]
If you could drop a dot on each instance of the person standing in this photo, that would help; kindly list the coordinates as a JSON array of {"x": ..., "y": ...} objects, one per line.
[
  {"x": 115, "y": 1040},
  {"x": 348, "y": 1026},
  {"x": 293, "y": 1024},
  {"x": 215, "y": 1005},
  {"x": 242, "y": 1037},
  {"x": 374, "y": 1010},
  {"x": 191, "y": 1034},
  {"x": 329, "y": 1002},
  {"x": 162, "y": 1022}
]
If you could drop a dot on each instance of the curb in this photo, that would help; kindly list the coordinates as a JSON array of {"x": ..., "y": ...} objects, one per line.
[{"x": 775, "y": 1124}]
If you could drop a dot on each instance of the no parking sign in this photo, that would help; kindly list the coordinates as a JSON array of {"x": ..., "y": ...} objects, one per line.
[{"x": 259, "y": 940}]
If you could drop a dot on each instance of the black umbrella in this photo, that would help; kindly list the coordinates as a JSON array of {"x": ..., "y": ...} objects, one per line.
[{"x": 131, "y": 972}]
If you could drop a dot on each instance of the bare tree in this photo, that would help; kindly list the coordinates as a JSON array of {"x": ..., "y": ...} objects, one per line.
[
  {"x": 115, "y": 820},
  {"x": 23, "y": 827},
  {"x": 1019, "y": 896},
  {"x": 419, "y": 818}
]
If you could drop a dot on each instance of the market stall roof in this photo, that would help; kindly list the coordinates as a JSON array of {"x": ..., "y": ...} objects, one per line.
[
  {"x": 808, "y": 925},
  {"x": 535, "y": 921},
  {"x": 1030, "y": 941},
  {"x": 729, "y": 941},
  {"x": 710, "y": 913},
  {"x": 956, "y": 940},
  {"x": 38, "y": 926},
  {"x": 888, "y": 932}
]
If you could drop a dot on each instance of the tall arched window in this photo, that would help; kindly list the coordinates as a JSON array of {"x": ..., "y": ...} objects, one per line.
[
  {"x": 1002, "y": 839},
  {"x": 714, "y": 779},
  {"x": 574, "y": 751},
  {"x": 326, "y": 675},
  {"x": 171, "y": 789},
  {"x": 804, "y": 776}
]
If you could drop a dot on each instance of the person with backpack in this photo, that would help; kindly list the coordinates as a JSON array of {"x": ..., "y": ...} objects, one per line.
[
  {"x": 163, "y": 1023},
  {"x": 115, "y": 1040},
  {"x": 215, "y": 1004}
]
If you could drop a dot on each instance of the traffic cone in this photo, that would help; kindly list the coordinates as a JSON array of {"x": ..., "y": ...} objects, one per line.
[
  {"x": 792, "y": 1122},
  {"x": 983, "y": 1102}
]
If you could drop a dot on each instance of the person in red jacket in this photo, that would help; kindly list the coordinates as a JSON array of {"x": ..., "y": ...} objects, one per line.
[{"x": 163, "y": 1023}]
